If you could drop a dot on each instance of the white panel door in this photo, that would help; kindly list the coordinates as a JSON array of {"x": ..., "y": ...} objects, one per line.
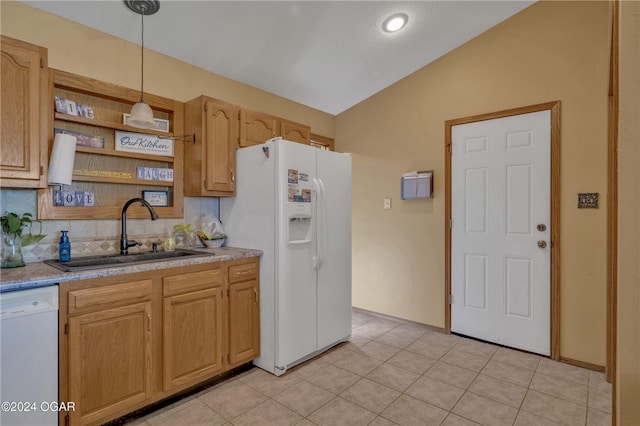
[{"x": 501, "y": 210}]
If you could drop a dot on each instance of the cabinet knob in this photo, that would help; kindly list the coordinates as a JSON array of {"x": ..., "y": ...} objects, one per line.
[{"x": 542, "y": 243}]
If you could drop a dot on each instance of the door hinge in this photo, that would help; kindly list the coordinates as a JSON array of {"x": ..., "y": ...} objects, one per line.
[
  {"x": 66, "y": 328},
  {"x": 450, "y": 223},
  {"x": 66, "y": 420},
  {"x": 450, "y": 299},
  {"x": 228, "y": 293},
  {"x": 41, "y": 170},
  {"x": 205, "y": 184},
  {"x": 41, "y": 62}
]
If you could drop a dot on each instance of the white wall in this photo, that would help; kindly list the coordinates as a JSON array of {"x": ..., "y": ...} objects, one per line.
[{"x": 551, "y": 51}]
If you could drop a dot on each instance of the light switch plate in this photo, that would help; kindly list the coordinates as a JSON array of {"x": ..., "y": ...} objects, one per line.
[{"x": 387, "y": 203}]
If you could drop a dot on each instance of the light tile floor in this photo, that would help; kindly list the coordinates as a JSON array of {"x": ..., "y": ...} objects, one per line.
[{"x": 399, "y": 373}]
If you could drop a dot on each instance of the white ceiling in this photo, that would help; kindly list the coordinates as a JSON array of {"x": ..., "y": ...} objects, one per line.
[{"x": 328, "y": 55}]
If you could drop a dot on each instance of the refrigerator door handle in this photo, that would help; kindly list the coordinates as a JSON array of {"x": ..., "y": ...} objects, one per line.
[
  {"x": 314, "y": 254},
  {"x": 322, "y": 224}
]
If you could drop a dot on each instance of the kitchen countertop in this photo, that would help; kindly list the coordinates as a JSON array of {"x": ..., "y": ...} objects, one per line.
[{"x": 39, "y": 274}]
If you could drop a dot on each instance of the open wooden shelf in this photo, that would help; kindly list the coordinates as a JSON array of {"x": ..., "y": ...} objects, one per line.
[
  {"x": 123, "y": 154},
  {"x": 110, "y": 182},
  {"x": 108, "y": 125}
]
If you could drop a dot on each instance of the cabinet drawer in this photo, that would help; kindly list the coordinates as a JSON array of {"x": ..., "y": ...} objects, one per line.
[
  {"x": 192, "y": 281},
  {"x": 244, "y": 272},
  {"x": 91, "y": 299}
]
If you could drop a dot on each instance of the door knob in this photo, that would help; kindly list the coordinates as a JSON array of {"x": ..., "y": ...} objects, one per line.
[
  {"x": 541, "y": 227},
  {"x": 542, "y": 243}
]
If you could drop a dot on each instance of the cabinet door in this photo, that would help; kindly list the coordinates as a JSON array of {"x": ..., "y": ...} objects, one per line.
[
  {"x": 256, "y": 128},
  {"x": 322, "y": 142},
  {"x": 192, "y": 337},
  {"x": 244, "y": 322},
  {"x": 295, "y": 132},
  {"x": 24, "y": 114},
  {"x": 110, "y": 363},
  {"x": 221, "y": 143}
]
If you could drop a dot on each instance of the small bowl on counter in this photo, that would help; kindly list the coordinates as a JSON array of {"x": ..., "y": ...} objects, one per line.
[{"x": 215, "y": 243}]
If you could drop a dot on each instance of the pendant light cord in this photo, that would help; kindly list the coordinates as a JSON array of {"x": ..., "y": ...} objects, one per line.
[{"x": 142, "y": 11}]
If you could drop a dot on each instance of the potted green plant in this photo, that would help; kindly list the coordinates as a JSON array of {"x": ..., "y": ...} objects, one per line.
[{"x": 13, "y": 228}]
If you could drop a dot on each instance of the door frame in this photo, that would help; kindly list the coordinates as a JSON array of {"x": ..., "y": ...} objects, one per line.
[{"x": 554, "y": 107}]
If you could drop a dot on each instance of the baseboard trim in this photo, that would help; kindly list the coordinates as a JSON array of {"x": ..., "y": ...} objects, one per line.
[
  {"x": 587, "y": 365},
  {"x": 392, "y": 318},
  {"x": 582, "y": 364}
]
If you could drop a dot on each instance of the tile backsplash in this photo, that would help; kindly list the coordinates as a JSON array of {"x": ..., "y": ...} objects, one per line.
[{"x": 91, "y": 237}]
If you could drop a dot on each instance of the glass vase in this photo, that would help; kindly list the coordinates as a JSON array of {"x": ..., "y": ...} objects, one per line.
[{"x": 12, "y": 251}]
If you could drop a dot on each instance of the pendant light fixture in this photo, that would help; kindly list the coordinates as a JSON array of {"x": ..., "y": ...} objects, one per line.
[{"x": 141, "y": 114}]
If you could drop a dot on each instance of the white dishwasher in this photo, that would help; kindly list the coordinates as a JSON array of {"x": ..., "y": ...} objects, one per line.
[{"x": 29, "y": 357}]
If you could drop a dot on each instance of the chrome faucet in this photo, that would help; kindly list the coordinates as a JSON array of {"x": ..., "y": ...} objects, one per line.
[{"x": 124, "y": 243}]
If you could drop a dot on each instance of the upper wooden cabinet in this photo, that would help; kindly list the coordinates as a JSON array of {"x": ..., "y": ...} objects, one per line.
[
  {"x": 112, "y": 174},
  {"x": 258, "y": 127},
  {"x": 220, "y": 128},
  {"x": 211, "y": 158},
  {"x": 295, "y": 132},
  {"x": 322, "y": 142},
  {"x": 25, "y": 114}
]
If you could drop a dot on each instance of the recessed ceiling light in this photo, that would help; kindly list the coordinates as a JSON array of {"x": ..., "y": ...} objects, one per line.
[{"x": 395, "y": 22}]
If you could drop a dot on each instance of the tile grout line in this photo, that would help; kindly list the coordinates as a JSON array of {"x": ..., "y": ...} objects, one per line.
[{"x": 527, "y": 391}]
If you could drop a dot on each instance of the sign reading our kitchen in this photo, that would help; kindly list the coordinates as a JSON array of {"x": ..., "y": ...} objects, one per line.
[{"x": 145, "y": 144}]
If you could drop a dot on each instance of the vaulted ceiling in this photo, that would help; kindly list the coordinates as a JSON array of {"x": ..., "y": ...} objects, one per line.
[{"x": 328, "y": 55}]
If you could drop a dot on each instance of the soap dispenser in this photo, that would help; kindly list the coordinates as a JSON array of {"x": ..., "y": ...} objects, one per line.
[{"x": 64, "y": 248}]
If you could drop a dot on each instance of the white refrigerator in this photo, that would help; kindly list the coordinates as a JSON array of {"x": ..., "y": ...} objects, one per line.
[{"x": 293, "y": 202}]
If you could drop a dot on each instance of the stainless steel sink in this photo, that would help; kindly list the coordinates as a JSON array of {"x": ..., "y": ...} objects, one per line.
[{"x": 109, "y": 261}]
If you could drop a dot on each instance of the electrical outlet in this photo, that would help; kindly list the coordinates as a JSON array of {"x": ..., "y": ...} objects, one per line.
[{"x": 387, "y": 203}]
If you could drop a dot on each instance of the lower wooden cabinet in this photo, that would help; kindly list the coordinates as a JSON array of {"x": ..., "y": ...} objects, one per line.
[
  {"x": 109, "y": 361},
  {"x": 193, "y": 329},
  {"x": 244, "y": 312},
  {"x": 127, "y": 341}
]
